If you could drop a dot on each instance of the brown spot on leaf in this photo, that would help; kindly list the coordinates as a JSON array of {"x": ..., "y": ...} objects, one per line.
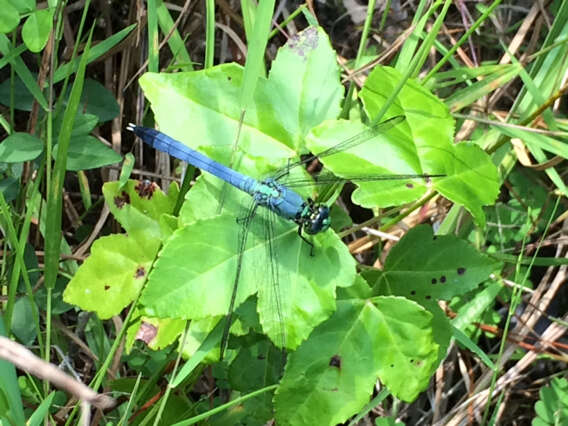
[
  {"x": 335, "y": 361},
  {"x": 147, "y": 332},
  {"x": 304, "y": 42},
  {"x": 443, "y": 279},
  {"x": 434, "y": 280},
  {"x": 145, "y": 189},
  {"x": 120, "y": 201},
  {"x": 107, "y": 287},
  {"x": 461, "y": 271},
  {"x": 409, "y": 185},
  {"x": 140, "y": 272}
]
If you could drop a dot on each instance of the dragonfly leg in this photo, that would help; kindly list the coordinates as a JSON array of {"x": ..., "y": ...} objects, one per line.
[{"x": 306, "y": 240}]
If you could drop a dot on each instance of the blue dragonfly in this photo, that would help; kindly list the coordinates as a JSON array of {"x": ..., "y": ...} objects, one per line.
[{"x": 276, "y": 194}]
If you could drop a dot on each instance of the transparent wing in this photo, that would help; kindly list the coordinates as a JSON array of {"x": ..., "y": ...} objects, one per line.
[
  {"x": 275, "y": 320},
  {"x": 245, "y": 223},
  {"x": 351, "y": 142},
  {"x": 329, "y": 178}
]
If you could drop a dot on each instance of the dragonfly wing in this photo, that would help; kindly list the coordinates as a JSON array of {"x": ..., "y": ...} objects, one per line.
[
  {"x": 273, "y": 321},
  {"x": 329, "y": 178},
  {"x": 351, "y": 142},
  {"x": 245, "y": 223}
]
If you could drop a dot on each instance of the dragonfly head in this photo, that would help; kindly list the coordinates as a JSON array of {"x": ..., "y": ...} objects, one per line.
[{"x": 316, "y": 218}]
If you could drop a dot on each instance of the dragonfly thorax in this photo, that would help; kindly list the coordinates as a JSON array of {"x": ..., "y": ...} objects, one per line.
[{"x": 314, "y": 218}]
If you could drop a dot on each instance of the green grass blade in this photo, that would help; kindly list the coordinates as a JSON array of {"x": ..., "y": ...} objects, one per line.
[
  {"x": 223, "y": 407},
  {"x": 254, "y": 66},
  {"x": 54, "y": 196},
  {"x": 9, "y": 388},
  {"x": 462, "y": 40},
  {"x": 175, "y": 41},
  {"x": 23, "y": 72},
  {"x": 153, "y": 52},
  {"x": 209, "y": 34},
  {"x": 93, "y": 54},
  {"x": 462, "y": 338}
]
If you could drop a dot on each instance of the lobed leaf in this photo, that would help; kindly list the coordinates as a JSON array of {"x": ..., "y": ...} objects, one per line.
[{"x": 331, "y": 376}]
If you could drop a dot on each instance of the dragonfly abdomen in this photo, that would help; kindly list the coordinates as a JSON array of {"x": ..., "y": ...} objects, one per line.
[
  {"x": 282, "y": 200},
  {"x": 164, "y": 143}
]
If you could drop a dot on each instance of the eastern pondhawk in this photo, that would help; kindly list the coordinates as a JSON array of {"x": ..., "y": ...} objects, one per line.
[{"x": 279, "y": 198}]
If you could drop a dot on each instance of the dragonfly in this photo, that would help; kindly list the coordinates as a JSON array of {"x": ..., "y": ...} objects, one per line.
[{"x": 273, "y": 194}]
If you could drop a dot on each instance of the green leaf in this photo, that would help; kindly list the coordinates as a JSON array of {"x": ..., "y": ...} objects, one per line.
[
  {"x": 139, "y": 205},
  {"x": 38, "y": 416},
  {"x": 83, "y": 125},
  {"x": 23, "y": 324},
  {"x": 87, "y": 152},
  {"x": 422, "y": 267},
  {"x": 426, "y": 268},
  {"x": 214, "y": 120},
  {"x": 23, "y": 6},
  {"x": 23, "y": 99},
  {"x": 36, "y": 29},
  {"x": 112, "y": 275},
  {"x": 97, "y": 100},
  {"x": 19, "y": 147},
  {"x": 201, "y": 283},
  {"x": 197, "y": 333},
  {"x": 255, "y": 367},
  {"x": 472, "y": 178},
  {"x": 331, "y": 375},
  {"x": 527, "y": 212},
  {"x": 384, "y": 154},
  {"x": 303, "y": 88},
  {"x": 552, "y": 408},
  {"x": 9, "y": 16},
  {"x": 285, "y": 107}
]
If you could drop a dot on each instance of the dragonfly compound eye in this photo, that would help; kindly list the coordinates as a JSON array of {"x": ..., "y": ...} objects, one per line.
[{"x": 319, "y": 220}]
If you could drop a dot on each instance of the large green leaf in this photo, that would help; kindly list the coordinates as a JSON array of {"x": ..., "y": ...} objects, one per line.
[
  {"x": 197, "y": 267},
  {"x": 422, "y": 266},
  {"x": 112, "y": 275},
  {"x": 117, "y": 268},
  {"x": 427, "y": 268},
  {"x": 87, "y": 152},
  {"x": 36, "y": 29},
  {"x": 202, "y": 108},
  {"x": 472, "y": 179},
  {"x": 9, "y": 16},
  {"x": 96, "y": 99},
  {"x": 384, "y": 154},
  {"x": 331, "y": 376},
  {"x": 20, "y": 147}
]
